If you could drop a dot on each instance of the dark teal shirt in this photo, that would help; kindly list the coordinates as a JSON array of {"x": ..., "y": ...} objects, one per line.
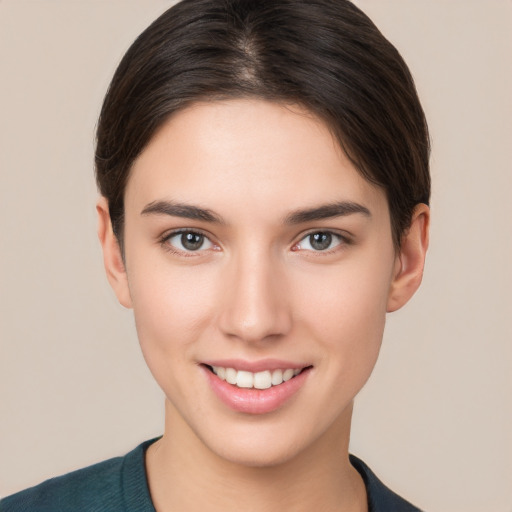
[{"x": 120, "y": 485}]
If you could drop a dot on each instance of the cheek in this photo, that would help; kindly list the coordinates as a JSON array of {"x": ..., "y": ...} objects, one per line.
[
  {"x": 172, "y": 308},
  {"x": 345, "y": 312}
]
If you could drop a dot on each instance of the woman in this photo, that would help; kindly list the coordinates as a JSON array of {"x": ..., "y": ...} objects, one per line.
[{"x": 263, "y": 169}]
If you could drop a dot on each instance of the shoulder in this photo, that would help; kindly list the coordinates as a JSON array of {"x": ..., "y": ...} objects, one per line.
[
  {"x": 100, "y": 487},
  {"x": 83, "y": 489},
  {"x": 380, "y": 497}
]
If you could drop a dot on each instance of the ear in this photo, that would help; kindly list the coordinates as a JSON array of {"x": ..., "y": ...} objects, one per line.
[
  {"x": 112, "y": 257},
  {"x": 410, "y": 259}
]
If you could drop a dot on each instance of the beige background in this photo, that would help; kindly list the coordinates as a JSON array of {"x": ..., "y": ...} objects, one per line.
[{"x": 435, "y": 420}]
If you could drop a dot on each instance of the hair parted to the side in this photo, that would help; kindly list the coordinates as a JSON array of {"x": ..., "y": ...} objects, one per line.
[{"x": 324, "y": 55}]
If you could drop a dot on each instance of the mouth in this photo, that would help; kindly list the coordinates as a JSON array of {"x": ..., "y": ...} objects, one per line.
[
  {"x": 255, "y": 380},
  {"x": 272, "y": 385}
]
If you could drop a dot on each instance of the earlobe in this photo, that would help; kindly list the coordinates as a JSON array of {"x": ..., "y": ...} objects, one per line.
[
  {"x": 112, "y": 256},
  {"x": 410, "y": 259}
]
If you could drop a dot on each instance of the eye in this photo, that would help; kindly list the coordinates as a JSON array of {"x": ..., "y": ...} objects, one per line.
[
  {"x": 319, "y": 241},
  {"x": 188, "y": 241}
]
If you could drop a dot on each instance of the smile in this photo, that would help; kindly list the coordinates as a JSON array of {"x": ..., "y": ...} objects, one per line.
[
  {"x": 255, "y": 387},
  {"x": 259, "y": 380}
]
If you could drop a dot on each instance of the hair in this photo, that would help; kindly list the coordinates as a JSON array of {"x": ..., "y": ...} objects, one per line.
[{"x": 326, "y": 56}]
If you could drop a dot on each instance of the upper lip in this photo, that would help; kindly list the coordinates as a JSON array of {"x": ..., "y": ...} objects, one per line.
[{"x": 256, "y": 366}]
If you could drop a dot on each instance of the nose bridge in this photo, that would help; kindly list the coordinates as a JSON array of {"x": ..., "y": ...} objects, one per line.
[{"x": 255, "y": 306}]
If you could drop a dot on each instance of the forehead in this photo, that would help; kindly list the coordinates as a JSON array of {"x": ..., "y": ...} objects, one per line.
[{"x": 229, "y": 153}]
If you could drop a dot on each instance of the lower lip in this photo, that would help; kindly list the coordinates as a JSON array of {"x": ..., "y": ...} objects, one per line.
[{"x": 255, "y": 401}]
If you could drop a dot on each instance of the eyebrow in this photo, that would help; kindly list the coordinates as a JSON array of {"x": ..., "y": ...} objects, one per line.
[
  {"x": 181, "y": 210},
  {"x": 327, "y": 211},
  {"x": 187, "y": 211}
]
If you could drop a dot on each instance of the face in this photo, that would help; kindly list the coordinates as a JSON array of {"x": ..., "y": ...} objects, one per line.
[{"x": 254, "y": 251}]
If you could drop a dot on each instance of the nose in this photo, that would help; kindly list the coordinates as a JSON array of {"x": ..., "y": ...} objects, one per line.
[{"x": 255, "y": 305}]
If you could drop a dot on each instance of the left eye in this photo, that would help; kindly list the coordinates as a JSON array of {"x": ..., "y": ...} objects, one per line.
[
  {"x": 189, "y": 241},
  {"x": 319, "y": 241}
]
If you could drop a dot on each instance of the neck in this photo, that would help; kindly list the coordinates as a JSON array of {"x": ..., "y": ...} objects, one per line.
[{"x": 185, "y": 475}]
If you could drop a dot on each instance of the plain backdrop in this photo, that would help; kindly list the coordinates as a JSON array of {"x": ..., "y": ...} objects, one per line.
[{"x": 435, "y": 419}]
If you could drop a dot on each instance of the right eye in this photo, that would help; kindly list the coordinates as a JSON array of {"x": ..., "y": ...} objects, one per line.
[{"x": 188, "y": 241}]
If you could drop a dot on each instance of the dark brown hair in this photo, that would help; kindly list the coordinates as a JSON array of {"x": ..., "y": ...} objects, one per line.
[{"x": 324, "y": 55}]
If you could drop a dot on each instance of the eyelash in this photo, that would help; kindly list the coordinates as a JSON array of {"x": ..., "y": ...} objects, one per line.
[
  {"x": 343, "y": 240},
  {"x": 164, "y": 242}
]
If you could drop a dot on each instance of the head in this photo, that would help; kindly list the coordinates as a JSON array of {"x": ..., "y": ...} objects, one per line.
[{"x": 263, "y": 206}]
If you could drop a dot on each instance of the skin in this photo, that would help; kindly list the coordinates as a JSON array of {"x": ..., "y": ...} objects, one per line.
[{"x": 257, "y": 289}]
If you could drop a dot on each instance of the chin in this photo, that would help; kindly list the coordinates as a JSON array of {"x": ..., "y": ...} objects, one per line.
[
  {"x": 258, "y": 455},
  {"x": 260, "y": 445}
]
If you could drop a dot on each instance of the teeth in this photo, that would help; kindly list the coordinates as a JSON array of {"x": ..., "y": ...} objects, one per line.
[
  {"x": 287, "y": 374},
  {"x": 277, "y": 377},
  {"x": 230, "y": 375},
  {"x": 259, "y": 380},
  {"x": 244, "y": 379},
  {"x": 262, "y": 380},
  {"x": 221, "y": 372}
]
